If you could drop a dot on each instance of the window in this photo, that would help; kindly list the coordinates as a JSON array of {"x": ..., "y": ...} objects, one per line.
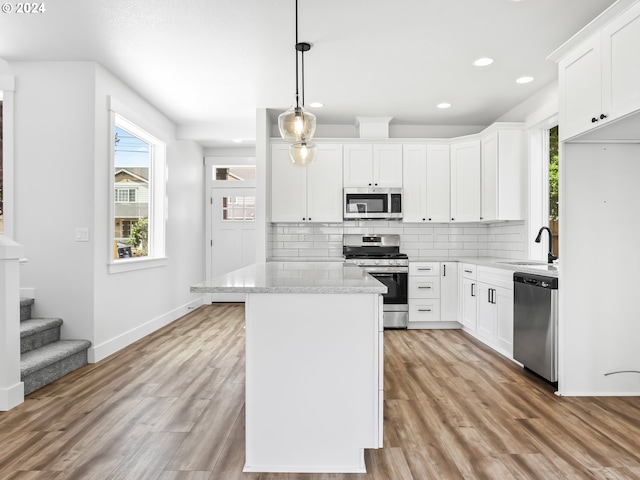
[
  {"x": 554, "y": 219},
  {"x": 138, "y": 186},
  {"x": 125, "y": 195},
  {"x": 237, "y": 208},
  {"x": 235, "y": 173}
]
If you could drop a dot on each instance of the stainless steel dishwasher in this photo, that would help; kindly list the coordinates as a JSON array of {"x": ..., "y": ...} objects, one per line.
[{"x": 535, "y": 323}]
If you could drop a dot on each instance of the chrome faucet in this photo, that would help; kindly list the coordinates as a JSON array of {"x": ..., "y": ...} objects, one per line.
[{"x": 550, "y": 256}]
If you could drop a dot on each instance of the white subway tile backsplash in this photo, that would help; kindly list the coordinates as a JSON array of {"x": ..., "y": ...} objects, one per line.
[{"x": 417, "y": 240}]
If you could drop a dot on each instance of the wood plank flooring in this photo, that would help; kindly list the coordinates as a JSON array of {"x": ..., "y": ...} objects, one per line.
[{"x": 171, "y": 407}]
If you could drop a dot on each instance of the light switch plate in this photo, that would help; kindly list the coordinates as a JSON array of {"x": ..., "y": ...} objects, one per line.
[{"x": 82, "y": 234}]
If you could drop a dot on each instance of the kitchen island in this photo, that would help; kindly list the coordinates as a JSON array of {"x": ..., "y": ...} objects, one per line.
[{"x": 314, "y": 364}]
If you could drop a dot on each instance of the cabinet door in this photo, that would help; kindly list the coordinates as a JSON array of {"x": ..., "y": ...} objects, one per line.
[
  {"x": 580, "y": 79},
  {"x": 504, "y": 313},
  {"x": 469, "y": 304},
  {"x": 489, "y": 182},
  {"x": 486, "y": 314},
  {"x": 449, "y": 292},
  {"x": 621, "y": 64},
  {"x": 438, "y": 187},
  {"x": 465, "y": 181},
  {"x": 387, "y": 166},
  {"x": 288, "y": 187},
  {"x": 324, "y": 185},
  {"x": 414, "y": 183},
  {"x": 358, "y": 165}
]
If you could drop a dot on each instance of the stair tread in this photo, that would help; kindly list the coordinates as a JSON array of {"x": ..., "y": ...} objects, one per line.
[
  {"x": 51, "y": 353},
  {"x": 25, "y": 302},
  {"x": 36, "y": 325}
]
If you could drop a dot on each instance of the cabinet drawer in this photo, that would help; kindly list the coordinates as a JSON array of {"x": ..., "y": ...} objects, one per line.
[
  {"x": 424, "y": 287},
  {"x": 424, "y": 310},
  {"x": 422, "y": 269},
  {"x": 469, "y": 271}
]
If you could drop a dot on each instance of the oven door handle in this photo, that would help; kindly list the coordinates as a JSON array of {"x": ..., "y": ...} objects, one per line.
[{"x": 386, "y": 270}]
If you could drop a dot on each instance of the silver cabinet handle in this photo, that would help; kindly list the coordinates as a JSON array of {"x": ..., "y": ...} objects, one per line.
[
  {"x": 425, "y": 287},
  {"x": 424, "y": 269},
  {"x": 424, "y": 309},
  {"x": 473, "y": 290},
  {"x": 444, "y": 270},
  {"x": 468, "y": 271}
]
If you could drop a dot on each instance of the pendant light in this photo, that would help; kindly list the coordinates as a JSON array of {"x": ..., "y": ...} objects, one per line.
[{"x": 297, "y": 125}]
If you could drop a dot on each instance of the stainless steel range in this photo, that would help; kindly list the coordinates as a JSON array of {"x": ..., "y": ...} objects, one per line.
[{"x": 379, "y": 255}]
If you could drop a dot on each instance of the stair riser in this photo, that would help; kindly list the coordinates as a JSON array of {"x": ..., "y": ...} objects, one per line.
[
  {"x": 25, "y": 312},
  {"x": 39, "y": 339},
  {"x": 53, "y": 372}
]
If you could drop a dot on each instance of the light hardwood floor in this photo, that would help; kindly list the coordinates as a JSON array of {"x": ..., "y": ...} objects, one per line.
[{"x": 170, "y": 407}]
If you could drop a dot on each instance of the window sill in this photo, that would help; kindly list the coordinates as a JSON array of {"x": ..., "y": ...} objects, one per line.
[{"x": 129, "y": 265}]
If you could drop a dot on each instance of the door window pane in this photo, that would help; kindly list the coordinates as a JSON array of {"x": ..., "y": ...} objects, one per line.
[{"x": 237, "y": 208}]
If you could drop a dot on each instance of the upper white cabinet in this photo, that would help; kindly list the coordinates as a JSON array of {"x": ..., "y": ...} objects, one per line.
[
  {"x": 502, "y": 167},
  {"x": 426, "y": 180},
  {"x": 600, "y": 80},
  {"x": 465, "y": 181},
  {"x": 377, "y": 165},
  {"x": 306, "y": 194}
]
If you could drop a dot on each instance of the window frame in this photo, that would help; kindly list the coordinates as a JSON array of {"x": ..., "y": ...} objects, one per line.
[{"x": 127, "y": 119}]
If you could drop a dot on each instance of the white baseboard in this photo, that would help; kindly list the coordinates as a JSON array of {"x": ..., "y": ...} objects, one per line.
[
  {"x": 99, "y": 352},
  {"x": 11, "y": 397}
]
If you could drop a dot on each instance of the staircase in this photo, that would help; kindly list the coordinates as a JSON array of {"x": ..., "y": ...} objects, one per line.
[{"x": 43, "y": 356}]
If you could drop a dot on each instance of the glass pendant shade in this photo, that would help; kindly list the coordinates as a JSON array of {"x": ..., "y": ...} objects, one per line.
[
  {"x": 303, "y": 153},
  {"x": 296, "y": 124}
]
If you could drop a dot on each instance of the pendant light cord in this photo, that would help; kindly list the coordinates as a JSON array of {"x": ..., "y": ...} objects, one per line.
[{"x": 296, "y": 48}]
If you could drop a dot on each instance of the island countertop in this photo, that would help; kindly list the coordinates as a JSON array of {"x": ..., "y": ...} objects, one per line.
[{"x": 293, "y": 277}]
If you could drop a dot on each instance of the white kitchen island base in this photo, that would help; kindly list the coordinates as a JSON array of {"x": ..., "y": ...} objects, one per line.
[{"x": 313, "y": 381}]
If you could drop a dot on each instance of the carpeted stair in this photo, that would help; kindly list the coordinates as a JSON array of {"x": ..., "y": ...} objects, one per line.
[{"x": 44, "y": 357}]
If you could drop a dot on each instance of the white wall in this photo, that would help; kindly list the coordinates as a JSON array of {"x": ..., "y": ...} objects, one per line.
[
  {"x": 63, "y": 181},
  {"x": 54, "y": 181}
]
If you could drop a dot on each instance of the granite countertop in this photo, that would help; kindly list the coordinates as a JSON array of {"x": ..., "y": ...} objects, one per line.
[
  {"x": 514, "y": 265},
  {"x": 293, "y": 277}
]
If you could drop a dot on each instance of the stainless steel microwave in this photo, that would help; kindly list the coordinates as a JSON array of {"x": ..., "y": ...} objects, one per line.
[{"x": 372, "y": 203}]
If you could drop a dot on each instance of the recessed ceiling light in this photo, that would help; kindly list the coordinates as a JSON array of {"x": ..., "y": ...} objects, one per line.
[
  {"x": 483, "y": 62},
  {"x": 444, "y": 105},
  {"x": 237, "y": 140},
  {"x": 316, "y": 104},
  {"x": 524, "y": 80}
]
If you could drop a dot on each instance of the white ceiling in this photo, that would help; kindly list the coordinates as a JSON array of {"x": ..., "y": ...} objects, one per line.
[{"x": 208, "y": 64}]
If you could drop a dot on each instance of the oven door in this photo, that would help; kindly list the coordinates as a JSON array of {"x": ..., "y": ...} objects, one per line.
[{"x": 396, "y": 283}]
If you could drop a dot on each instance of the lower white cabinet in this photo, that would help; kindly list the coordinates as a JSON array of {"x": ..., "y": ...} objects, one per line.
[
  {"x": 469, "y": 300},
  {"x": 433, "y": 292},
  {"x": 495, "y": 309}
]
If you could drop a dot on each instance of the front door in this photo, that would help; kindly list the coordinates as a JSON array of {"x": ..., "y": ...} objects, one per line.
[{"x": 233, "y": 234}]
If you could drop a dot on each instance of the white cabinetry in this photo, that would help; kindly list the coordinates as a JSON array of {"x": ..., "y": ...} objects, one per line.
[
  {"x": 495, "y": 309},
  {"x": 600, "y": 80},
  {"x": 306, "y": 194},
  {"x": 465, "y": 181},
  {"x": 426, "y": 183},
  {"x": 433, "y": 293},
  {"x": 449, "y": 291},
  {"x": 469, "y": 301},
  {"x": 367, "y": 165},
  {"x": 424, "y": 292},
  {"x": 502, "y": 167}
]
